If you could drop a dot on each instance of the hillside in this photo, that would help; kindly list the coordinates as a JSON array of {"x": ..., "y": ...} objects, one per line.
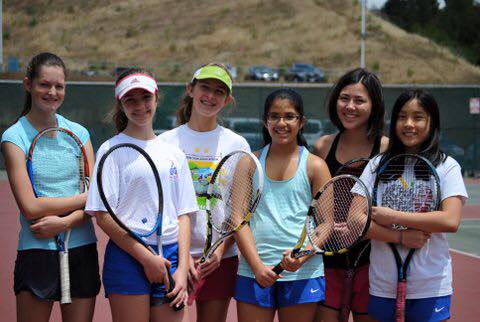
[{"x": 173, "y": 37}]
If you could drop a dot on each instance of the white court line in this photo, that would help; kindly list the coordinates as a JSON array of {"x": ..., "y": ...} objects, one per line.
[{"x": 464, "y": 253}]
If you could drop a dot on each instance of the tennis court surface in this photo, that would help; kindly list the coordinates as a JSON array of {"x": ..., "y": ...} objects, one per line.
[{"x": 465, "y": 251}]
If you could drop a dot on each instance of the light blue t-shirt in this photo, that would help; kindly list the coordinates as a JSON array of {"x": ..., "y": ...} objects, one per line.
[
  {"x": 279, "y": 219},
  {"x": 21, "y": 134}
]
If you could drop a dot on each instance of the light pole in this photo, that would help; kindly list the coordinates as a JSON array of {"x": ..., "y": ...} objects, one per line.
[{"x": 363, "y": 36}]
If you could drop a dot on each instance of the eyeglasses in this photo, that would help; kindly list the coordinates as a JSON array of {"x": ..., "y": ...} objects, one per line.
[{"x": 289, "y": 118}]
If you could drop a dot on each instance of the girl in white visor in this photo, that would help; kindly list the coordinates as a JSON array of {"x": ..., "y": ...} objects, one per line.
[
  {"x": 132, "y": 276},
  {"x": 205, "y": 142}
]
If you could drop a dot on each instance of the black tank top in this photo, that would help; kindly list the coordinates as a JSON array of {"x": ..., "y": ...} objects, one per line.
[{"x": 340, "y": 261}]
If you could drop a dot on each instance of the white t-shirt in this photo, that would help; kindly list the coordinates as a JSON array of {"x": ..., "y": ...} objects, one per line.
[
  {"x": 430, "y": 270},
  {"x": 204, "y": 150},
  {"x": 177, "y": 187}
]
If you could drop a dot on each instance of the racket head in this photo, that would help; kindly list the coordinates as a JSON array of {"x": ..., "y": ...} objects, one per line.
[
  {"x": 339, "y": 216},
  {"x": 409, "y": 183},
  {"x": 353, "y": 167},
  {"x": 130, "y": 188},
  {"x": 234, "y": 191},
  {"x": 57, "y": 164}
]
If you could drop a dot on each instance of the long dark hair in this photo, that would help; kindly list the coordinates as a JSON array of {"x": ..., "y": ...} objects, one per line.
[
  {"x": 430, "y": 148},
  {"x": 33, "y": 69},
  {"x": 297, "y": 102},
  {"x": 116, "y": 114},
  {"x": 374, "y": 89}
]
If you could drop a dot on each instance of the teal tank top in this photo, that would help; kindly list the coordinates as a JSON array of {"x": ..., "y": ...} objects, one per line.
[{"x": 279, "y": 219}]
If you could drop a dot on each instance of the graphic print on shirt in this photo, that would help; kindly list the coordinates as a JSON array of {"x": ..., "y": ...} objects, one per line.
[{"x": 202, "y": 168}]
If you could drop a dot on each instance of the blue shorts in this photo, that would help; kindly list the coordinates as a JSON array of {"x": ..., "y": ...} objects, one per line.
[
  {"x": 431, "y": 309},
  {"x": 122, "y": 274},
  {"x": 280, "y": 294}
]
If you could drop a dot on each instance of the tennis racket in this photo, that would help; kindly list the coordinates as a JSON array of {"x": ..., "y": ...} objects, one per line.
[
  {"x": 409, "y": 183},
  {"x": 353, "y": 167},
  {"x": 232, "y": 197},
  {"x": 130, "y": 189},
  {"x": 57, "y": 166},
  {"x": 338, "y": 218}
]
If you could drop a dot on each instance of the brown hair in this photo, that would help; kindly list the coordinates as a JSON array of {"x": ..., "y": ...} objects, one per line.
[
  {"x": 184, "y": 110},
  {"x": 116, "y": 114},
  {"x": 33, "y": 69}
]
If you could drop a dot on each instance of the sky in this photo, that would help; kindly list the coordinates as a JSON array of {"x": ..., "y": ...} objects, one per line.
[{"x": 380, "y": 3}]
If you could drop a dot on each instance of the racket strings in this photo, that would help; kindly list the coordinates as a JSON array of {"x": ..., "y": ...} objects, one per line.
[
  {"x": 58, "y": 165},
  {"x": 131, "y": 191},
  {"x": 339, "y": 216},
  {"x": 235, "y": 192},
  {"x": 409, "y": 188}
]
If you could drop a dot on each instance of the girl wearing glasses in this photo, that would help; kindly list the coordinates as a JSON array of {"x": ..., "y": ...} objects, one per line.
[{"x": 292, "y": 176}]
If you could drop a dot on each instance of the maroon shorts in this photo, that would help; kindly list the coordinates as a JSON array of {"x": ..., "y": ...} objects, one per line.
[
  {"x": 334, "y": 279},
  {"x": 220, "y": 284}
]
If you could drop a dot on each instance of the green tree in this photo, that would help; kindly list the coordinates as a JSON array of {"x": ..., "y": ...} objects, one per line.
[{"x": 410, "y": 14}]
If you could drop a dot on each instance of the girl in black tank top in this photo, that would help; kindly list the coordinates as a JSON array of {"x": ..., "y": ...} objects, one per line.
[
  {"x": 340, "y": 261},
  {"x": 356, "y": 108}
]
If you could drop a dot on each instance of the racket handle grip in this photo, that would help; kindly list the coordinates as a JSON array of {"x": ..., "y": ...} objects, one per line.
[
  {"x": 65, "y": 295},
  {"x": 346, "y": 296},
  {"x": 400, "y": 304},
  {"x": 171, "y": 281},
  {"x": 277, "y": 269}
]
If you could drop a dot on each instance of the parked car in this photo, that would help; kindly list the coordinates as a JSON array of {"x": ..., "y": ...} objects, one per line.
[
  {"x": 305, "y": 73},
  {"x": 453, "y": 150},
  {"x": 232, "y": 70},
  {"x": 262, "y": 73},
  {"x": 248, "y": 127},
  {"x": 472, "y": 158},
  {"x": 312, "y": 130}
]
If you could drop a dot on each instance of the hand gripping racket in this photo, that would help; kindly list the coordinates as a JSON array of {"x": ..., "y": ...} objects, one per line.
[
  {"x": 407, "y": 183},
  {"x": 57, "y": 166},
  {"x": 338, "y": 218},
  {"x": 353, "y": 167},
  {"x": 130, "y": 188}
]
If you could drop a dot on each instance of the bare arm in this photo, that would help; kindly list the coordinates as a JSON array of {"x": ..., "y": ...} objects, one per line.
[
  {"x": 246, "y": 244},
  {"x": 445, "y": 220},
  {"x": 50, "y": 226},
  {"x": 410, "y": 238},
  {"x": 32, "y": 207},
  {"x": 154, "y": 266},
  {"x": 180, "y": 275}
]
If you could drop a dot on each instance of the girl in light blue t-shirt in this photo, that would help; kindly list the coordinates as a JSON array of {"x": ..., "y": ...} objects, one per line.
[
  {"x": 36, "y": 276},
  {"x": 292, "y": 177}
]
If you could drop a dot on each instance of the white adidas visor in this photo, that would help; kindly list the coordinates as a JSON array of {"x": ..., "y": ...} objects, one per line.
[{"x": 133, "y": 81}]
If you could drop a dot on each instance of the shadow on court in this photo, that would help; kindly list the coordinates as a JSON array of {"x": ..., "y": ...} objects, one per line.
[{"x": 465, "y": 267}]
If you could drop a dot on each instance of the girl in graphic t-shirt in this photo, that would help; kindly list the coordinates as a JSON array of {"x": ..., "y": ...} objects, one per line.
[
  {"x": 135, "y": 280},
  {"x": 205, "y": 142},
  {"x": 415, "y": 128}
]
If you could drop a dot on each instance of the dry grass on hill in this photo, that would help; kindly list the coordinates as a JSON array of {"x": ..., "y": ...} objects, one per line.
[{"x": 173, "y": 37}]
